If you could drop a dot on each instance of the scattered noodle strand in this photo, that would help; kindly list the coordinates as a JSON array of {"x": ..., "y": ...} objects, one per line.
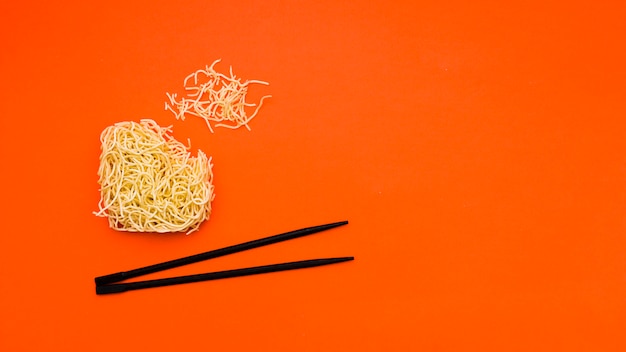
[
  {"x": 149, "y": 182},
  {"x": 218, "y": 99}
]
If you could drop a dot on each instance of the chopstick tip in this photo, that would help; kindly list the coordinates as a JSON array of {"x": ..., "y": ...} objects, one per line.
[{"x": 335, "y": 224}]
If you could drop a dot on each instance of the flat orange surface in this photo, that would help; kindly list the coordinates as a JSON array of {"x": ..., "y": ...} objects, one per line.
[{"x": 477, "y": 148}]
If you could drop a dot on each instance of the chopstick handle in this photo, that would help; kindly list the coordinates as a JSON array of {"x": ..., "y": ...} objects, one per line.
[
  {"x": 118, "y": 288},
  {"x": 116, "y": 277}
]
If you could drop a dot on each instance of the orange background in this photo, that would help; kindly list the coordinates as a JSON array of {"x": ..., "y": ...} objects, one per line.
[{"x": 477, "y": 149}]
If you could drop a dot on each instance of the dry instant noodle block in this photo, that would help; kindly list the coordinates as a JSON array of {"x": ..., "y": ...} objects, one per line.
[{"x": 149, "y": 182}]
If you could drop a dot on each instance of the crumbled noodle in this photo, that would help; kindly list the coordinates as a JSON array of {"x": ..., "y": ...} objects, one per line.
[{"x": 218, "y": 99}]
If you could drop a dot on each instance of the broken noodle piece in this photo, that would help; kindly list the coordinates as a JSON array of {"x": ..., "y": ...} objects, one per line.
[
  {"x": 149, "y": 182},
  {"x": 218, "y": 99}
]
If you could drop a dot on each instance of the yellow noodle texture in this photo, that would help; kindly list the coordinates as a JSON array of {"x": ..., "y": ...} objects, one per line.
[
  {"x": 218, "y": 99},
  {"x": 149, "y": 182}
]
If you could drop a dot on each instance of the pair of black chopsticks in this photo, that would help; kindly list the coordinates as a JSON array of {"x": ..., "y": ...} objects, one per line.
[{"x": 107, "y": 284}]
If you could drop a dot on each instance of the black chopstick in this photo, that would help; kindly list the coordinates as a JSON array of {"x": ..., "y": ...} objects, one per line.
[
  {"x": 118, "y": 288},
  {"x": 116, "y": 277}
]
